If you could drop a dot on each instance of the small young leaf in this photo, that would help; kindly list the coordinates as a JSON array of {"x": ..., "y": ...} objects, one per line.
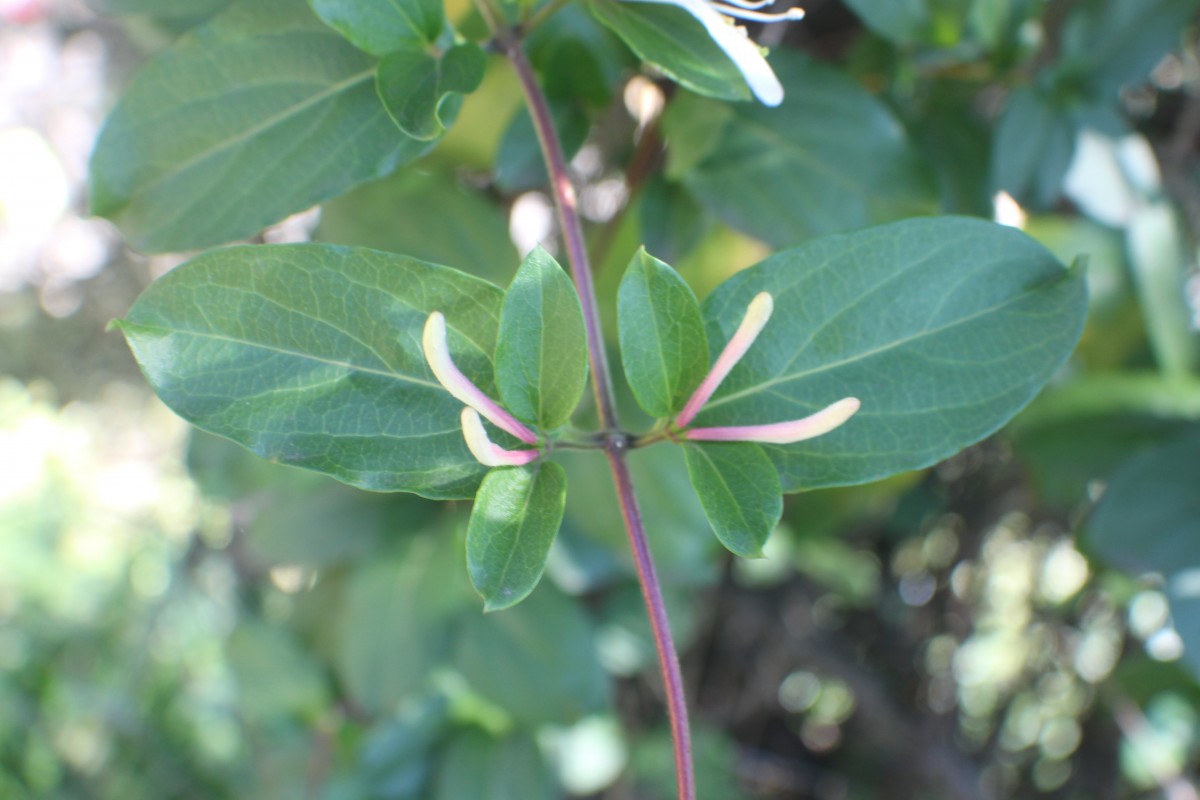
[
  {"x": 423, "y": 92},
  {"x": 672, "y": 40},
  {"x": 311, "y": 355},
  {"x": 739, "y": 490},
  {"x": 236, "y": 125},
  {"x": 541, "y": 352},
  {"x": 517, "y": 513},
  {"x": 663, "y": 347},
  {"x": 380, "y": 28},
  {"x": 963, "y": 323}
]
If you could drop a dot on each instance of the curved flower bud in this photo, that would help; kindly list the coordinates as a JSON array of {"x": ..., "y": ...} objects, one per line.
[
  {"x": 797, "y": 430},
  {"x": 744, "y": 53},
  {"x": 437, "y": 353},
  {"x": 757, "y": 314},
  {"x": 485, "y": 450}
]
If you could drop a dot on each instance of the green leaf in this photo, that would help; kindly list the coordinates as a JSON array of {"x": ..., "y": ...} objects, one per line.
[
  {"x": 422, "y": 215},
  {"x": 1149, "y": 521},
  {"x": 476, "y": 765},
  {"x": 258, "y": 114},
  {"x": 579, "y": 60},
  {"x": 1035, "y": 140},
  {"x": 739, "y": 490},
  {"x": 831, "y": 158},
  {"x": 311, "y": 355},
  {"x": 1113, "y": 42},
  {"x": 902, "y": 21},
  {"x": 516, "y": 516},
  {"x": 960, "y": 324},
  {"x": 276, "y": 677},
  {"x": 423, "y": 92},
  {"x": 382, "y": 26},
  {"x": 675, "y": 42},
  {"x": 536, "y": 661},
  {"x": 392, "y": 628},
  {"x": 541, "y": 352},
  {"x": 663, "y": 347},
  {"x": 671, "y": 221}
]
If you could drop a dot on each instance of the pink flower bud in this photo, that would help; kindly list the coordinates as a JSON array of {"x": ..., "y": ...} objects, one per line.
[
  {"x": 757, "y": 314},
  {"x": 437, "y": 353},
  {"x": 796, "y": 430},
  {"x": 485, "y": 450}
]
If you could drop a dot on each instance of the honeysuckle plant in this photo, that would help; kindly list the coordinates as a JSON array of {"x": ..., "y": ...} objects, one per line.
[{"x": 848, "y": 358}]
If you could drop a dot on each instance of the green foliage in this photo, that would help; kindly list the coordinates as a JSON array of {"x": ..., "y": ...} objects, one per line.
[
  {"x": 541, "y": 350},
  {"x": 515, "y": 518},
  {"x": 423, "y": 92},
  {"x": 831, "y": 158},
  {"x": 960, "y": 326},
  {"x": 305, "y": 374},
  {"x": 739, "y": 490},
  {"x": 662, "y": 336},
  {"x": 232, "y": 128},
  {"x": 382, "y": 28}
]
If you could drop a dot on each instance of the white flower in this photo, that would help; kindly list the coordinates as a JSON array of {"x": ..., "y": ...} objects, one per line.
[{"x": 717, "y": 20}]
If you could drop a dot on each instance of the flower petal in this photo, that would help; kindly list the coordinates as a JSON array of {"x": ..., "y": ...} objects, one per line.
[
  {"x": 757, "y": 314},
  {"x": 486, "y": 451},
  {"x": 437, "y": 353},
  {"x": 737, "y": 45},
  {"x": 796, "y": 430}
]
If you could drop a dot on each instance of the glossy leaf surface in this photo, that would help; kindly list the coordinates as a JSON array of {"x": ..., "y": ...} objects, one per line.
[
  {"x": 423, "y": 92},
  {"x": 663, "y": 348},
  {"x": 963, "y": 321},
  {"x": 258, "y": 114},
  {"x": 311, "y": 355},
  {"x": 672, "y": 40},
  {"x": 516, "y": 516},
  {"x": 739, "y": 490},
  {"x": 831, "y": 158},
  {"x": 541, "y": 352},
  {"x": 383, "y": 27}
]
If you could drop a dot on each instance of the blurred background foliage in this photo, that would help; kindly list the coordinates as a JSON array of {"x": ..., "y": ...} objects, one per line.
[{"x": 181, "y": 620}]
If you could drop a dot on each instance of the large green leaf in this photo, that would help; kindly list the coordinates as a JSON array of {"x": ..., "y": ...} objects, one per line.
[
  {"x": 167, "y": 9},
  {"x": 311, "y": 355},
  {"x": 259, "y": 113},
  {"x": 423, "y": 91},
  {"x": 1149, "y": 521},
  {"x": 831, "y": 158},
  {"x": 944, "y": 328},
  {"x": 541, "y": 352},
  {"x": 536, "y": 661},
  {"x": 475, "y": 765},
  {"x": 739, "y": 490},
  {"x": 380, "y": 27},
  {"x": 516, "y": 516},
  {"x": 663, "y": 347},
  {"x": 393, "y": 625},
  {"x": 672, "y": 40}
]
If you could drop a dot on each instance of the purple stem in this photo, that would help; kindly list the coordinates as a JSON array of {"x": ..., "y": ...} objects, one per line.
[{"x": 615, "y": 442}]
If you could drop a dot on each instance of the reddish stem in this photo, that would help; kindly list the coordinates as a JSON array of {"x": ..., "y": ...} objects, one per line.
[{"x": 616, "y": 442}]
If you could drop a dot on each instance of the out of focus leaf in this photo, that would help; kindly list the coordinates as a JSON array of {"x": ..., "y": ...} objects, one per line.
[
  {"x": 382, "y": 28},
  {"x": 167, "y": 9},
  {"x": 476, "y": 765},
  {"x": 421, "y": 214},
  {"x": 579, "y": 60},
  {"x": 831, "y": 158},
  {"x": 423, "y": 91},
  {"x": 1035, "y": 139},
  {"x": 537, "y": 660},
  {"x": 236, "y": 125},
  {"x": 1149, "y": 521},
  {"x": 519, "y": 162},
  {"x": 1157, "y": 256},
  {"x": 672, "y": 222},
  {"x": 276, "y": 677}
]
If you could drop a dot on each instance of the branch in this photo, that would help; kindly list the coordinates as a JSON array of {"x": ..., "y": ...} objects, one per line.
[{"x": 616, "y": 442}]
